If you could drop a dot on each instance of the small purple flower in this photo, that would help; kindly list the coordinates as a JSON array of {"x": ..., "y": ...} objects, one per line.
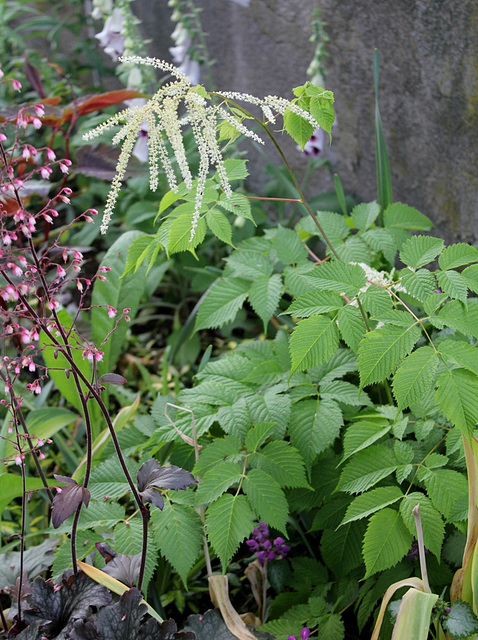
[
  {"x": 304, "y": 634},
  {"x": 262, "y": 545}
]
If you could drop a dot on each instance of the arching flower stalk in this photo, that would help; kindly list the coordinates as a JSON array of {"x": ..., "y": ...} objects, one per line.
[{"x": 166, "y": 125}]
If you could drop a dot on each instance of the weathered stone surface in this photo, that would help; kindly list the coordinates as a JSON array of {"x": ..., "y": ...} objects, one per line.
[{"x": 428, "y": 84}]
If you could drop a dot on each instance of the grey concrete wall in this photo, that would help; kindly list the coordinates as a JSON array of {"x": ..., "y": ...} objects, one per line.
[{"x": 428, "y": 84}]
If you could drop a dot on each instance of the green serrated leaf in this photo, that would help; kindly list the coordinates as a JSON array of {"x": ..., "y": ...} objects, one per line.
[
  {"x": 128, "y": 539},
  {"x": 432, "y": 523},
  {"x": 238, "y": 204},
  {"x": 460, "y": 353},
  {"x": 362, "y": 434},
  {"x": 264, "y": 296},
  {"x": 177, "y": 530},
  {"x": 341, "y": 548},
  {"x": 366, "y": 468},
  {"x": 228, "y": 521},
  {"x": 222, "y": 302},
  {"x": 351, "y": 325},
  {"x": 372, "y": 501},
  {"x": 385, "y": 240},
  {"x": 248, "y": 264},
  {"x": 420, "y": 284},
  {"x": 365, "y": 214},
  {"x": 283, "y": 462},
  {"x": 220, "y": 449},
  {"x": 256, "y": 436},
  {"x": 236, "y": 168},
  {"x": 180, "y": 234},
  {"x": 453, "y": 284},
  {"x": 457, "y": 397},
  {"x": 456, "y": 315},
  {"x": 314, "y": 303},
  {"x": 415, "y": 376},
  {"x": 386, "y": 541},
  {"x": 418, "y": 251},
  {"x": 219, "y": 225},
  {"x": 218, "y": 480},
  {"x": 298, "y": 128},
  {"x": 401, "y": 216},
  {"x": 266, "y": 498},
  {"x": 340, "y": 277},
  {"x": 457, "y": 255},
  {"x": 313, "y": 342},
  {"x": 288, "y": 247},
  {"x": 443, "y": 486},
  {"x": 382, "y": 350}
]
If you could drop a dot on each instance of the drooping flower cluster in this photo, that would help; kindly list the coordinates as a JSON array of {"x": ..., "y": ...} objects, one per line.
[
  {"x": 264, "y": 547},
  {"x": 162, "y": 116}
]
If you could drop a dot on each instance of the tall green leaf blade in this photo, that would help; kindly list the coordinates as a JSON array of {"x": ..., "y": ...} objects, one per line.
[
  {"x": 382, "y": 350},
  {"x": 118, "y": 293},
  {"x": 178, "y": 533},
  {"x": 457, "y": 255},
  {"x": 457, "y": 397},
  {"x": 313, "y": 342},
  {"x": 418, "y": 251},
  {"x": 386, "y": 541},
  {"x": 228, "y": 521},
  {"x": 266, "y": 498},
  {"x": 372, "y": 501},
  {"x": 218, "y": 480},
  {"x": 415, "y": 376},
  {"x": 384, "y": 180},
  {"x": 366, "y": 468},
  {"x": 432, "y": 523},
  {"x": 136, "y": 253},
  {"x": 264, "y": 296},
  {"x": 221, "y": 303}
]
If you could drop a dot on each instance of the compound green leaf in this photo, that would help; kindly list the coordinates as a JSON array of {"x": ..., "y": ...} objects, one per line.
[
  {"x": 283, "y": 462},
  {"x": 415, "y": 376},
  {"x": 453, "y": 284},
  {"x": 288, "y": 246},
  {"x": 180, "y": 234},
  {"x": 419, "y": 284},
  {"x": 340, "y": 548},
  {"x": 219, "y": 225},
  {"x": 340, "y": 277},
  {"x": 351, "y": 325},
  {"x": 365, "y": 214},
  {"x": 298, "y": 128},
  {"x": 386, "y": 541},
  {"x": 237, "y": 204},
  {"x": 228, "y": 521},
  {"x": 314, "y": 303},
  {"x": 218, "y": 480},
  {"x": 460, "y": 353},
  {"x": 362, "y": 434},
  {"x": 443, "y": 486}
]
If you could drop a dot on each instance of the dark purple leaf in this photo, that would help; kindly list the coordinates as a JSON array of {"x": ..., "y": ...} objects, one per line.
[
  {"x": 124, "y": 568},
  {"x": 112, "y": 378},
  {"x": 34, "y": 78},
  {"x": 56, "y": 607},
  {"x": 66, "y": 502},
  {"x": 106, "y": 551},
  {"x": 151, "y": 474},
  {"x": 35, "y": 560},
  {"x": 122, "y": 621},
  {"x": 153, "y": 496}
]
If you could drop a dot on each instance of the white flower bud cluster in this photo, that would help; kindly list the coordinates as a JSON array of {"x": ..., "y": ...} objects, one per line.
[{"x": 165, "y": 125}]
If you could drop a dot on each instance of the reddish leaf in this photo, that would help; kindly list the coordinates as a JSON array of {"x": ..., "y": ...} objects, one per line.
[
  {"x": 34, "y": 78},
  {"x": 87, "y": 104}
]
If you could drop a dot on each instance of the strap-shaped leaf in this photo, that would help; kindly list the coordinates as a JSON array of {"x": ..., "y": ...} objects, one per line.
[
  {"x": 382, "y": 350},
  {"x": 457, "y": 397},
  {"x": 222, "y": 302},
  {"x": 415, "y": 376},
  {"x": 313, "y": 342},
  {"x": 386, "y": 541},
  {"x": 266, "y": 498},
  {"x": 229, "y": 520}
]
